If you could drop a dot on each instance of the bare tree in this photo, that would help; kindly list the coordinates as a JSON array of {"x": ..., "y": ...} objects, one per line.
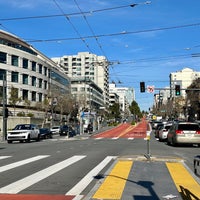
[{"x": 14, "y": 99}]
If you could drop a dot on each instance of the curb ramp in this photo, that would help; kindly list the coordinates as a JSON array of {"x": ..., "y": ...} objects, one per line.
[{"x": 138, "y": 178}]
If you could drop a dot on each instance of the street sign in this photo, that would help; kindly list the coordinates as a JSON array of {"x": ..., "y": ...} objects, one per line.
[{"x": 150, "y": 88}]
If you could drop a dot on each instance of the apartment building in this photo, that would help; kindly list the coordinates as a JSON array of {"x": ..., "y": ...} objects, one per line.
[
  {"x": 184, "y": 78},
  {"x": 124, "y": 95},
  {"x": 87, "y": 66}
]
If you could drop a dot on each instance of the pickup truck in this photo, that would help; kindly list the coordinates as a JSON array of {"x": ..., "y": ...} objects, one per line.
[{"x": 23, "y": 132}]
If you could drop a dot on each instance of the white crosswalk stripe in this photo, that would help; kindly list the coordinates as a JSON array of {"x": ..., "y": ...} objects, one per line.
[
  {"x": 4, "y": 157},
  {"x": 23, "y": 162},
  {"x": 19, "y": 185},
  {"x": 24, "y": 183},
  {"x": 77, "y": 189}
]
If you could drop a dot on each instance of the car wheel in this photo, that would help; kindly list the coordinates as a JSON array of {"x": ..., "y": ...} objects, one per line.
[
  {"x": 28, "y": 139},
  {"x": 173, "y": 142},
  {"x": 9, "y": 141},
  {"x": 38, "y": 138}
]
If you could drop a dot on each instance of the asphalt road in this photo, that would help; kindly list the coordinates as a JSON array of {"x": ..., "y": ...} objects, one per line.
[{"x": 64, "y": 166}]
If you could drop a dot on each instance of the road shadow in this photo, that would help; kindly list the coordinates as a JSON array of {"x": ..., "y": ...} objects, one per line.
[
  {"x": 145, "y": 184},
  {"x": 187, "y": 195}
]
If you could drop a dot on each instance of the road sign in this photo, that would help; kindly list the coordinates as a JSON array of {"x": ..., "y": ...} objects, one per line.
[{"x": 150, "y": 88}]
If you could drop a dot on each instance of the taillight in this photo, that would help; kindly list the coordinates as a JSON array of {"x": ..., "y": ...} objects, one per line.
[
  {"x": 198, "y": 132},
  {"x": 179, "y": 132}
]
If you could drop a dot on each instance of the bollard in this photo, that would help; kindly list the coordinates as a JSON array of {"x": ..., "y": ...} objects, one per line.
[{"x": 148, "y": 155}]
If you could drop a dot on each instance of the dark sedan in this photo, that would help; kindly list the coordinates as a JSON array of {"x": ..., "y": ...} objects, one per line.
[{"x": 45, "y": 133}]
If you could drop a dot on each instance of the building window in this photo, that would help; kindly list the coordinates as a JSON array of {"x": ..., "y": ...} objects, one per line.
[
  {"x": 15, "y": 77},
  {"x": 14, "y": 60},
  {"x": 25, "y": 63},
  {"x": 33, "y": 66},
  {"x": 40, "y": 68},
  {"x": 45, "y": 85},
  {"x": 40, "y": 83},
  {"x": 45, "y": 71},
  {"x": 25, "y": 79},
  {"x": 3, "y": 57},
  {"x": 33, "y": 96},
  {"x": 2, "y": 73},
  {"x": 24, "y": 94},
  {"x": 82, "y": 89},
  {"x": 33, "y": 81},
  {"x": 40, "y": 97},
  {"x": 74, "y": 89}
]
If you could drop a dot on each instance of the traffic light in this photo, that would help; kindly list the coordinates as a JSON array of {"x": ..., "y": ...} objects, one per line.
[
  {"x": 177, "y": 90},
  {"x": 142, "y": 86}
]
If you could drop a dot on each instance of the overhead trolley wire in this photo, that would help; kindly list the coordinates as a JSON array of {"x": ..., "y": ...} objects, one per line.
[
  {"x": 68, "y": 19},
  {"x": 66, "y": 14},
  {"x": 120, "y": 33}
]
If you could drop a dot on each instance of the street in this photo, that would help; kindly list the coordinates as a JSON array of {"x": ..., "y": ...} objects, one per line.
[{"x": 74, "y": 168}]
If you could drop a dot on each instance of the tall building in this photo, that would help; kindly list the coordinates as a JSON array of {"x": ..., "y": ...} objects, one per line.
[
  {"x": 184, "y": 78},
  {"x": 31, "y": 75},
  {"x": 125, "y": 95},
  {"x": 87, "y": 66}
]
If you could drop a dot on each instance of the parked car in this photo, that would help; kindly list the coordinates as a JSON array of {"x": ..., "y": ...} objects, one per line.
[
  {"x": 55, "y": 130},
  {"x": 163, "y": 132},
  {"x": 157, "y": 129},
  {"x": 184, "y": 133},
  {"x": 23, "y": 132},
  {"x": 45, "y": 133},
  {"x": 64, "y": 130}
]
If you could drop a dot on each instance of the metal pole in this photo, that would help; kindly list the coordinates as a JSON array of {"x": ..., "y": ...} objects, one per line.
[{"x": 4, "y": 108}]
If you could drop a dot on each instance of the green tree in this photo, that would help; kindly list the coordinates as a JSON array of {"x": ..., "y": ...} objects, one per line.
[
  {"x": 114, "y": 111},
  {"x": 135, "y": 109},
  {"x": 193, "y": 102}
]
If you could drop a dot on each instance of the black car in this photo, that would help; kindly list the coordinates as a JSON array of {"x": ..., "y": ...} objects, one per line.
[
  {"x": 64, "y": 130},
  {"x": 45, "y": 133}
]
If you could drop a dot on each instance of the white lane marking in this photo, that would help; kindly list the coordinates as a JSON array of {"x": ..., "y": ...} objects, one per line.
[
  {"x": 24, "y": 183},
  {"x": 130, "y": 138},
  {"x": 115, "y": 138},
  {"x": 84, "y": 182},
  {"x": 23, "y": 162},
  {"x": 3, "y": 157},
  {"x": 99, "y": 138}
]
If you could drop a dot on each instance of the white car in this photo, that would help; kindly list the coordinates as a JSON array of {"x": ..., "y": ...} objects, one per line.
[
  {"x": 163, "y": 132},
  {"x": 55, "y": 130},
  {"x": 23, "y": 132}
]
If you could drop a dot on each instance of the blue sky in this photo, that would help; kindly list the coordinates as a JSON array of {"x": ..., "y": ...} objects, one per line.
[{"x": 145, "y": 42}]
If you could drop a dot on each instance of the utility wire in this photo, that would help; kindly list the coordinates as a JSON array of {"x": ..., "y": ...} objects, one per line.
[
  {"x": 67, "y": 14},
  {"x": 91, "y": 29},
  {"x": 68, "y": 19},
  {"x": 120, "y": 33}
]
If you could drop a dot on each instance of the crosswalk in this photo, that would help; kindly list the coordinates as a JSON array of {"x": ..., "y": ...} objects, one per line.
[
  {"x": 110, "y": 178},
  {"x": 18, "y": 186}
]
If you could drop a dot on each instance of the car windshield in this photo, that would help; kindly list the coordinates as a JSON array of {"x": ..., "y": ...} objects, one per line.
[
  {"x": 23, "y": 127},
  {"x": 188, "y": 127}
]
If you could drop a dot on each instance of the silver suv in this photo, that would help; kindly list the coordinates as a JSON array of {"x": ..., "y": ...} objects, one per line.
[{"x": 184, "y": 133}]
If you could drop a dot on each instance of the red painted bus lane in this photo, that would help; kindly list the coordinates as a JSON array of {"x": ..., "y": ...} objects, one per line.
[{"x": 34, "y": 197}]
